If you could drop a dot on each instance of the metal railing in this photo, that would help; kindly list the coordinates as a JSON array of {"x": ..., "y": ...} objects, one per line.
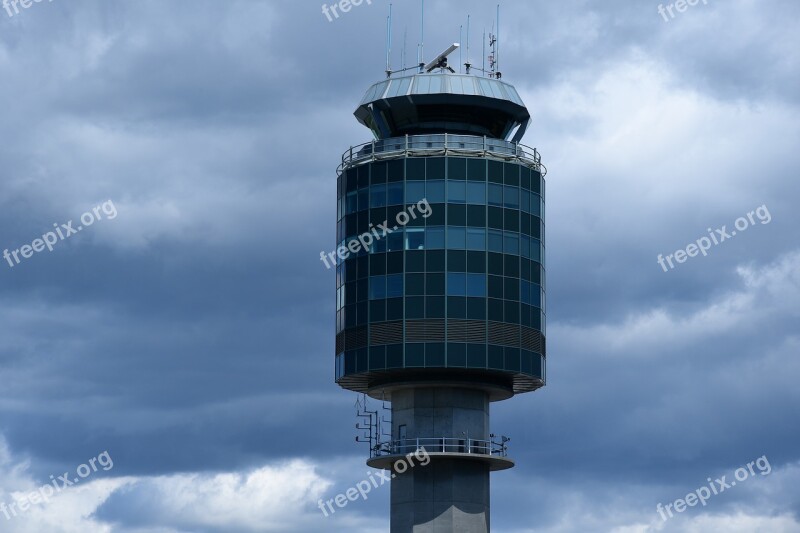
[
  {"x": 441, "y": 445},
  {"x": 443, "y": 144}
]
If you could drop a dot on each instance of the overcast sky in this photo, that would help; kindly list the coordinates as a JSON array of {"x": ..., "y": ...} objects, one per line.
[{"x": 188, "y": 332}]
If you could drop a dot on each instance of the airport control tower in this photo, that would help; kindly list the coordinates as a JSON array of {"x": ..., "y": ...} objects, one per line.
[{"x": 445, "y": 314}]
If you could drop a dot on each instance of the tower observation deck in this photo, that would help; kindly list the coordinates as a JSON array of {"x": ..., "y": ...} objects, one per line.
[{"x": 444, "y": 314}]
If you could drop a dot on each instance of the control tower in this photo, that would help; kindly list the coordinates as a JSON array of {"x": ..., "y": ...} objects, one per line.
[{"x": 446, "y": 313}]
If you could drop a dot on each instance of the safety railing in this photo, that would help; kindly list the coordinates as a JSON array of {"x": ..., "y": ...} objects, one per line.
[
  {"x": 442, "y": 445},
  {"x": 443, "y": 144}
]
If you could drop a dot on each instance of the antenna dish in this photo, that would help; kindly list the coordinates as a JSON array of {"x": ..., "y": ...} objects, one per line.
[{"x": 441, "y": 59}]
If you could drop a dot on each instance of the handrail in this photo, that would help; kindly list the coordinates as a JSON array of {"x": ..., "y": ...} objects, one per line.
[
  {"x": 441, "y": 445},
  {"x": 442, "y": 144}
]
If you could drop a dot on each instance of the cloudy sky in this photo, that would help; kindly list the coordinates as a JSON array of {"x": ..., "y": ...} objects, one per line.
[{"x": 189, "y": 331}]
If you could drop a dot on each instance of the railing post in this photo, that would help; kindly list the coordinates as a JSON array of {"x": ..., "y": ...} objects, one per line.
[
  {"x": 373, "y": 149},
  {"x": 406, "y": 154},
  {"x": 445, "y": 144}
]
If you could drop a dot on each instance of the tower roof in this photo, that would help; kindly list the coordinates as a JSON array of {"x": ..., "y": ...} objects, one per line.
[{"x": 426, "y": 103}]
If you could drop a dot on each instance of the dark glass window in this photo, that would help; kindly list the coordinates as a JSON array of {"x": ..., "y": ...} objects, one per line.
[
  {"x": 476, "y": 170},
  {"x": 457, "y": 168},
  {"x": 377, "y": 310},
  {"x": 394, "y": 309},
  {"x": 495, "y": 217},
  {"x": 434, "y": 354},
  {"x": 456, "y": 261},
  {"x": 435, "y": 168},
  {"x": 434, "y": 307},
  {"x": 476, "y": 308},
  {"x": 415, "y": 169},
  {"x": 415, "y": 355},
  {"x": 415, "y": 284},
  {"x": 512, "y": 174},
  {"x": 435, "y": 284},
  {"x": 435, "y": 261},
  {"x": 496, "y": 360},
  {"x": 476, "y": 216},
  {"x": 415, "y": 307},
  {"x": 495, "y": 287},
  {"x": 476, "y": 262},
  {"x": 394, "y": 356},
  {"x": 456, "y": 355},
  {"x": 495, "y": 172},
  {"x": 396, "y": 170},
  {"x": 415, "y": 261},
  {"x": 476, "y": 355},
  {"x": 456, "y": 307}
]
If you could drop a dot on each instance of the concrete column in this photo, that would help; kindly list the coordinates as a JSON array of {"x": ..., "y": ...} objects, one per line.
[{"x": 449, "y": 494}]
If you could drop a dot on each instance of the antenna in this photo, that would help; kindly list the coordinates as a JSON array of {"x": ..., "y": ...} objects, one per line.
[
  {"x": 483, "y": 53},
  {"x": 405, "y": 51},
  {"x": 468, "y": 64},
  {"x": 422, "y": 39},
  {"x": 441, "y": 59},
  {"x": 389, "y": 43},
  {"x": 497, "y": 49},
  {"x": 461, "y": 40}
]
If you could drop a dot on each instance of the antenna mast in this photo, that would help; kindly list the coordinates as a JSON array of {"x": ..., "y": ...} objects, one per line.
[
  {"x": 421, "y": 53},
  {"x": 389, "y": 43},
  {"x": 468, "y": 64}
]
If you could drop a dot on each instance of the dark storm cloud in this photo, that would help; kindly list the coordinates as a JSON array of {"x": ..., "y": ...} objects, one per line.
[{"x": 195, "y": 331}]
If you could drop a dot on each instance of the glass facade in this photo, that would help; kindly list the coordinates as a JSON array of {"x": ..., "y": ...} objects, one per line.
[{"x": 444, "y": 267}]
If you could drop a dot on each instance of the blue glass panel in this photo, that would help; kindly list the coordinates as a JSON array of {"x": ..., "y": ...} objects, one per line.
[
  {"x": 434, "y": 238},
  {"x": 377, "y": 287},
  {"x": 457, "y": 192},
  {"x": 394, "y": 286},
  {"x": 476, "y": 239},
  {"x": 476, "y": 285},
  {"x": 456, "y": 238},
  {"x": 415, "y": 238},
  {"x": 456, "y": 284},
  {"x": 495, "y": 241}
]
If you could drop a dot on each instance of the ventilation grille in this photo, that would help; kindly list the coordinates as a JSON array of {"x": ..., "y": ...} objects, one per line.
[
  {"x": 473, "y": 331},
  {"x": 386, "y": 333},
  {"x": 425, "y": 331}
]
